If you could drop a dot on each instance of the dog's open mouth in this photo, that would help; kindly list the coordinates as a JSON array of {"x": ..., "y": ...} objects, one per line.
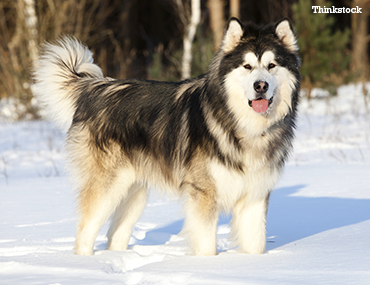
[{"x": 260, "y": 105}]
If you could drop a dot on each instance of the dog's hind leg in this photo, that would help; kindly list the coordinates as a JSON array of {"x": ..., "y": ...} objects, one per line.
[
  {"x": 249, "y": 223},
  {"x": 104, "y": 178},
  {"x": 125, "y": 217},
  {"x": 97, "y": 202}
]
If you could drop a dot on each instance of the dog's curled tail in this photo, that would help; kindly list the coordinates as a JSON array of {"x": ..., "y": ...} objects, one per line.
[{"x": 59, "y": 73}]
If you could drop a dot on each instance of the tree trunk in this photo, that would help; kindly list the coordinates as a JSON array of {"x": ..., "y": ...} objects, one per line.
[
  {"x": 189, "y": 37},
  {"x": 235, "y": 8},
  {"x": 30, "y": 19},
  {"x": 360, "y": 39},
  {"x": 217, "y": 22}
]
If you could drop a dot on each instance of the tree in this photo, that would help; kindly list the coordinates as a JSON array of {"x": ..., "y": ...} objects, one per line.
[
  {"x": 18, "y": 51},
  {"x": 217, "y": 21},
  {"x": 235, "y": 8},
  {"x": 30, "y": 19},
  {"x": 323, "y": 52},
  {"x": 360, "y": 40},
  {"x": 189, "y": 37}
]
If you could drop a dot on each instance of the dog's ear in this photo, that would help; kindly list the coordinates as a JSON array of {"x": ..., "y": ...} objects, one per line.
[
  {"x": 233, "y": 34},
  {"x": 286, "y": 34}
]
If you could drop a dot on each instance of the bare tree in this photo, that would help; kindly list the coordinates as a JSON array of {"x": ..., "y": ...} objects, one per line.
[
  {"x": 235, "y": 8},
  {"x": 217, "y": 22},
  {"x": 31, "y": 26},
  {"x": 360, "y": 40},
  {"x": 18, "y": 48},
  {"x": 189, "y": 38}
]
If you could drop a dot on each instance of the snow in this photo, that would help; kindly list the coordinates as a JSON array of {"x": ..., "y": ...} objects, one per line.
[{"x": 318, "y": 224}]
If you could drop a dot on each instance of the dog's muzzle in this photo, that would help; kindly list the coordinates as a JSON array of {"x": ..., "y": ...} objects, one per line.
[{"x": 260, "y": 104}]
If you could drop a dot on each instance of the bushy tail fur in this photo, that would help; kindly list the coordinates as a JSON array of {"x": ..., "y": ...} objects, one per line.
[{"x": 57, "y": 75}]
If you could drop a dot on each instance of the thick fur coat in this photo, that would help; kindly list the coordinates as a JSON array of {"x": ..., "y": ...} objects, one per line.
[{"x": 219, "y": 140}]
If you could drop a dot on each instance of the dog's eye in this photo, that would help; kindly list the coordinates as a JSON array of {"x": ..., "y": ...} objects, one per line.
[
  {"x": 271, "y": 65},
  {"x": 248, "y": 66}
]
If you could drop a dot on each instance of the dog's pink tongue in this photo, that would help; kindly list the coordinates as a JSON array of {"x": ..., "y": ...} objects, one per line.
[{"x": 260, "y": 106}]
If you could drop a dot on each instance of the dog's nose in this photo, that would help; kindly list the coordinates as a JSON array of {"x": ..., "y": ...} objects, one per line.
[{"x": 261, "y": 86}]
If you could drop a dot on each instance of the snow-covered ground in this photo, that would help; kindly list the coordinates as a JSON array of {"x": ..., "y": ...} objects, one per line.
[{"x": 318, "y": 225}]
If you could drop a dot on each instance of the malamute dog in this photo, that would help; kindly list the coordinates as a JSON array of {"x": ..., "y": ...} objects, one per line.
[{"x": 219, "y": 140}]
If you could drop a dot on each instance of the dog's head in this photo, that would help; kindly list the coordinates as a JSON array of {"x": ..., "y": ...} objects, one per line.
[{"x": 259, "y": 67}]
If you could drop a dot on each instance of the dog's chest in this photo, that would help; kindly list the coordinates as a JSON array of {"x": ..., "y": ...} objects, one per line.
[
  {"x": 231, "y": 184},
  {"x": 258, "y": 176}
]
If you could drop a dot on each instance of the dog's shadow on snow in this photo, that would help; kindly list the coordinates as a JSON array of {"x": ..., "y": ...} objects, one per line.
[
  {"x": 161, "y": 235},
  {"x": 291, "y": 218}
]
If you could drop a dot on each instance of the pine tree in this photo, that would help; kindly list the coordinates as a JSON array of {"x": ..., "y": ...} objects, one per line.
[{"x": 324, "y": 54}]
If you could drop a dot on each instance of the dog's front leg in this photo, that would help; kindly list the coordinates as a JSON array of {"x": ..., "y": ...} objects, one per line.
[
  {"x": 249, "y": 223},
  {"x": 201, "y": 221}
]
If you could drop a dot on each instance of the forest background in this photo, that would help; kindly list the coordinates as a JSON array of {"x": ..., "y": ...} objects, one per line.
[{"x": 174, "y": 39}]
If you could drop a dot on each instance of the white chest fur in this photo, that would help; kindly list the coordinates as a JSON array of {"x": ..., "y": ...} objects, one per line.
[{"x": 256, "y": 181}]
